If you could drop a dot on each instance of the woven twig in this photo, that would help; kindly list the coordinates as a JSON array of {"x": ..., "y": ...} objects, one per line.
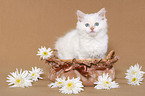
[{"x": 99, "y": 64}]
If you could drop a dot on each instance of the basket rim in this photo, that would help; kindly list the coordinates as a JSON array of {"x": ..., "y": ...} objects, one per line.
[{"x": 82, "y": 65}]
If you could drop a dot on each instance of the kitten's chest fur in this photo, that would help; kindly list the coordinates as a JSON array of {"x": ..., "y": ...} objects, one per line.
[
  {"x": 93, "y": 46},
  {"x": 89, "y": 44}
]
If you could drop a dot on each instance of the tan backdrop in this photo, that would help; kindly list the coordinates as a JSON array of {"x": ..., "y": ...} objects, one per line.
[{"x": 25, "y": 25}]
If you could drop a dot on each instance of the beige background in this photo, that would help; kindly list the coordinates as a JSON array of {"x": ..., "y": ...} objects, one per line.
[{"x": 25, "y": 25}]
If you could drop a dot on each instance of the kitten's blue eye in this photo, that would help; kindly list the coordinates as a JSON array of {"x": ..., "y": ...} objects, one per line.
[
  {"x": 96, "y": 24},
  {"x": 87, "y": 25}
]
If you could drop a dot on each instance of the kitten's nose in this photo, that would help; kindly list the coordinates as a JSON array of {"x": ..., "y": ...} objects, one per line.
[{"x": 92, "y": 28}]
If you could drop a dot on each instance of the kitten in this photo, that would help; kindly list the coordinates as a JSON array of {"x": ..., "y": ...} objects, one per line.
[{"x": 88, "y": 40}]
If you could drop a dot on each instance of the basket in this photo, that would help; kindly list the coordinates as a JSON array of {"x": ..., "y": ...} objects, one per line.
[{"x": 87, "y": 69}]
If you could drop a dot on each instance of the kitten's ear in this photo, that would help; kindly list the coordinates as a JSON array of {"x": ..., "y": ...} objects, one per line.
[
  {"x": 102, "y": 13},
  {"x": 80, "y": 15}
]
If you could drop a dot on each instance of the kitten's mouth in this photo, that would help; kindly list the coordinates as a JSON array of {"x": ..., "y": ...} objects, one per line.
[
  {"x": 92, "y": 33},
  {"x": 91, "y": 30}
]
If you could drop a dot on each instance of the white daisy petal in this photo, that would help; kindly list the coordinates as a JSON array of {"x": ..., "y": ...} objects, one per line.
[
  {"x": 52, "y": 85},
  {"x": 134, "y": 75},
  {"x": 44, "y": 53},
  {"x": 105, "y": 82},
  {"x": 72, "y": 86},
  {"x": 19, "y": 79},
  {"x": 35, "y": 73},
  {"x": 58, "y": 83},
  {"x": 135, "y": 80},
  {"x": 135, "y": 70}
]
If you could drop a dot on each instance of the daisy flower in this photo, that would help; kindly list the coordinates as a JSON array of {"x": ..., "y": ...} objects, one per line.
[
  {"x": 19, "y": 79},
  {"x": 133, "y": 70},
  {"x": 134, "y": 75},
  {"x": 72, "y": 86},
  {"x": 44, "y": 53},
  {"x": 135, "y": 80},
  {"x": 105, "y": 82},
  {"x": 58, "y": 83},
  {"x": 35, "y": 73}
]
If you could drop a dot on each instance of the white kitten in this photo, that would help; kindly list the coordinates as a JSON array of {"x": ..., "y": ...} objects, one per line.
[{"x": 88, "y": 40}]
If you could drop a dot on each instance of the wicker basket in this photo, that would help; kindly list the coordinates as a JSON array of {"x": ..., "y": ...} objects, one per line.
[{"x": 87, "y": 69}]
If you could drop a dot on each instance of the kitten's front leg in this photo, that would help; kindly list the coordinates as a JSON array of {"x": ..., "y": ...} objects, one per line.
[
  {"x": 100, "y": 56},
  {"x": 103, "y": 56},
  {"x": 80, "y": 55},
  {"x": 65, "y": 55},
  {"x": 68, "y": 56}
]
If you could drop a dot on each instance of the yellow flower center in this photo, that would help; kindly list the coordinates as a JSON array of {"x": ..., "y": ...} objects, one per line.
[
  {"x": 18, "y": 80},
  {"x": 134, "y": 79},
  {"x": 134, "y": 72},
  {"x": 59, "y": 82},
  {"x": 69, "y": 84},
  {"x": 33, "y": 74},
  {"x": 107, "y": 82},
  {"x": 45, "y": 53}
]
